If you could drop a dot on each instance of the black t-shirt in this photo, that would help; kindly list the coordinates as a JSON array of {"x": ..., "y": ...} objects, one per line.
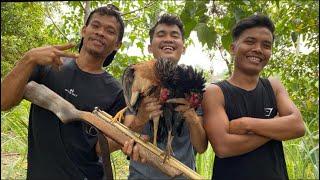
[
  {"x": 67, "y": 151},
  {"x": 264, "y": 163}
]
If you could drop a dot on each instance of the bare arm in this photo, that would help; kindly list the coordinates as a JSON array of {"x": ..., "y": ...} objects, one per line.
[
  {"x": 288, "y": 125},
  {"x": 216, "y": 124},
  {"x": 194, "y": 122},
  {"x": 197, "y": 133},
  {"x": 13, "y": 84}
]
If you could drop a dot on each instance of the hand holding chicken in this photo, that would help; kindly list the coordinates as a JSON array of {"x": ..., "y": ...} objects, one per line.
[{"x": 149, "y": 85}]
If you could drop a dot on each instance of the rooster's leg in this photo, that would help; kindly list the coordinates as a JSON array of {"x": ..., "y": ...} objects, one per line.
[
  {"x": 169, "y": 149},
  {"x": 155, "y": 129},
  {"x": 119, "y": 116}
]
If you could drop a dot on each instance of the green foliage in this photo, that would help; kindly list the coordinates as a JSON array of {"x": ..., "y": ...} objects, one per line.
[
  {"x": 120, "y": 165},
  {"x": 302, "y": 155},
  {"x": 15, "y": 121},
  {"x": 204, "y": 163},
  {"x": 194, "y": 17},
  {"x": 14, "y": 141},
  {"x": 21, "y": 25}
]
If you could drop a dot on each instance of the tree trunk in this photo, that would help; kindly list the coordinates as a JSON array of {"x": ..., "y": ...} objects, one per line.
[{"x": 86, "y": 11}]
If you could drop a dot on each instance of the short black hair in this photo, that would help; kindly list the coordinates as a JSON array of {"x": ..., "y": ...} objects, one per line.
[
  {"x": 257, "y": 20},
  {"x": 168, "y": 19},
  {"x": 109, "y": 10}
]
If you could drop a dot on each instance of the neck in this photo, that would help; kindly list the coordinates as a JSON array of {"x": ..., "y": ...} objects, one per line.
[
  {"x": 89, "y": 63},
  {"x": 244, "y": 81}
]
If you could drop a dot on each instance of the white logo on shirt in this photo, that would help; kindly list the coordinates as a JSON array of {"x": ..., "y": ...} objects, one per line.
[
  {"x": 267, "y": 111},
  {"x": 71, "y": 91}
]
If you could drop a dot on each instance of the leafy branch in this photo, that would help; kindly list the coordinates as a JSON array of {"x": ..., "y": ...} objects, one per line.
[
  {"x": 139, "y": 9},
  {"x": 47, "y": 13},
  {"x": 81, "y": 5},
  {"x": 225, "y": 59}
]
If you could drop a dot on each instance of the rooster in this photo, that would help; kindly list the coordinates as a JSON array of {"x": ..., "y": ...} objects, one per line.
[{"x": 164, "y": 80}]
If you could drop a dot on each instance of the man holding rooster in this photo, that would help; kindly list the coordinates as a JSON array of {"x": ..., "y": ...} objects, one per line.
[{"x": 167, "y": 41}]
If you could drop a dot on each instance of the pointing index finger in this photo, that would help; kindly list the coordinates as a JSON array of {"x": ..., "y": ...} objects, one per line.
[
  {"x": 65, "y": 46},
  {"x": 67, "y": 54}
]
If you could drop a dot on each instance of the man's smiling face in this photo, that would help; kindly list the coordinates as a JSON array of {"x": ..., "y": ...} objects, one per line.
[
  {"x": 252, "y": 50},
  {"x": 167, "y": 42}
]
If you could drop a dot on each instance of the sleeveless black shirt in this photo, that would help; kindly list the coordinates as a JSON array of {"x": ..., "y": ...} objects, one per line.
[{"x": 266, "y": 162}]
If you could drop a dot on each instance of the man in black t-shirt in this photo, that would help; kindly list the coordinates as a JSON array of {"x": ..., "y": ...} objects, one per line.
[
  {"x": 70, "y": 151},
  {"x": 248, "y": 117}
]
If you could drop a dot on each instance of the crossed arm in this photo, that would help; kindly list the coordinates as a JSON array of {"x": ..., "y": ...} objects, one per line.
[
  {"x": 233, "y": 138},
  {"x": 216, "y": 124},
  {"x": 287, "y": 125}
]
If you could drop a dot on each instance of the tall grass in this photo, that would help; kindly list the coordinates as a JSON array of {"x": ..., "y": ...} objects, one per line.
[
  {"x": 302, "y": 155},
  {"x": 204, "y": 163},
  {"x": 14, "y": 129},
  {"x": 120, "y": 165}
]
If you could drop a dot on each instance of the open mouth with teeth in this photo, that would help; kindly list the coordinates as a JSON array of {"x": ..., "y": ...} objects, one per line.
[
  {"x": 167, "y": 48},
  {"x": 254, "y": 59}
]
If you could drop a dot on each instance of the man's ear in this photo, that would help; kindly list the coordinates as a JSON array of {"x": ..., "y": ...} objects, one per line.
[
  {"x": 150, "y": 49},
  {"x": 232, "y": 48},
  {"x": 183, "y": 50},
  {"x": 119, "y": 44},
  {"x": 83, "y": 30}
]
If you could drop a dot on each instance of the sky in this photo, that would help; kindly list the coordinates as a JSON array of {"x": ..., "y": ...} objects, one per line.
[{"x": 196, "y": 57}]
